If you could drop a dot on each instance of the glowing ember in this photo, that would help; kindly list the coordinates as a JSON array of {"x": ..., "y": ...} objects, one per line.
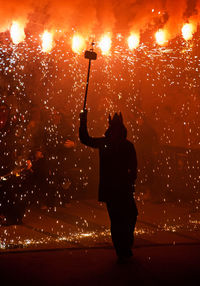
[
  {"x": 160, "y": 37},
  {"x": 47, "y": 42},
  {"x": 105, "y": 44},
  {"x": 17, "y": 33},
  {"x": 133, "y": 41},
  {"x": 78, "y": 44},
  {"x": 187, "y": 31}
]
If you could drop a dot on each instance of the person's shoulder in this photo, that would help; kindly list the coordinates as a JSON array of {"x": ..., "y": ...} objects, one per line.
[{"x": 129, "y": 143}]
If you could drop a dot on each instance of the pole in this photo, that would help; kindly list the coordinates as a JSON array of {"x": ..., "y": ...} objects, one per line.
[{"x": 87, "y": 84}]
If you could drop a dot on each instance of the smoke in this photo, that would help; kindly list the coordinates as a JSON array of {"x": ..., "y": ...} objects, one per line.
[
  {"x": 14, "y": 10},
  {"x": 95, "y": 16},
  {"x": 175, "y": 11},
  {"x": 195, "y": 16}
]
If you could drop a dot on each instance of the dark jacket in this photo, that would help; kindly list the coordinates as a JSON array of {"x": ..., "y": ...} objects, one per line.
[{"x": 118, "y": 164}]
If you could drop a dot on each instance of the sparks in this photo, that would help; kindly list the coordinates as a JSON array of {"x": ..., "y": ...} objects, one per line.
[
  {"x": 47, "y": 42},
  {"x": 160, "y": 37},
  {"x": 133, "y": 41},
  {"x": 78, "y": 44},
  {"x": 105, "y": 44},
  {"x": 17, "y": 33},
  {"x": 187, "y": 31}
]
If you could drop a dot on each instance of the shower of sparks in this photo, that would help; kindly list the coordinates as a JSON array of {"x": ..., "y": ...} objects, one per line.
[
  {"x": 17, "y": 33},
  {"x": 156, "y": 85}
]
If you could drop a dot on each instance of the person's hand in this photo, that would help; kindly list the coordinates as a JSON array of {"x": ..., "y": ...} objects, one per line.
[{"x": 83, "y": 115}]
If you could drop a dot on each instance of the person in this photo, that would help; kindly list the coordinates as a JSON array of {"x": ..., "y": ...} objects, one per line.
[
  {"x": 39, "y": 178},
  {"x": 118, "y": 172}
]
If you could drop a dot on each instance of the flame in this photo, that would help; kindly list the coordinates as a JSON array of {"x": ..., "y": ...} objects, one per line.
[
  {"x": 47, "y": 42},
  {"x": 105, "y": 44},
  {"x": 187, "y": 31},
  {"x": 161, "y": 37},
  {"x": 17, "y": 32},
  {"x": 78, "y": 43},
  {"x": 133, "y": 41}
]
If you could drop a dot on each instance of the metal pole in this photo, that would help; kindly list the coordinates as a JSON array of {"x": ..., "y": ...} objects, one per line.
[{"x": 87, "y": 84}]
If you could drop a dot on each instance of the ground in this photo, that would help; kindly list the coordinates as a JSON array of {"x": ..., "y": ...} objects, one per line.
[{"x": 71, "y": 246}]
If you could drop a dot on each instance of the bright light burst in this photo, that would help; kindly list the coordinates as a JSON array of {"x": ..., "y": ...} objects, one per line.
[
  {"x": 105, "y": 44},
  {"x": 187, "y": 31},
  {"x": 17, "y": 32},
  {"x": 160, "y": 37},
  {"x": 47, "y": 42},
  {"x": 78, "y": 44},
  {"x": 133, "y": 41}
]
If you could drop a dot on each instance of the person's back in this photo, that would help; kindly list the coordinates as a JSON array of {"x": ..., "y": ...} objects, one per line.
[{"x": 118, "y": 172}]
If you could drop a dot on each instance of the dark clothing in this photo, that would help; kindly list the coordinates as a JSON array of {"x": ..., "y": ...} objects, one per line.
[
  {"x": 123, "y": 216},
  {"x": 40, "y": 172},
  {"x": 118, "y": 165},
  {"x": 40, "y": 181},
  {"x": 118, "y": 172}
]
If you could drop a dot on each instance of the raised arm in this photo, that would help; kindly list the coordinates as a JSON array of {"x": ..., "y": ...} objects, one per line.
[{"x": 83, "y": 133}]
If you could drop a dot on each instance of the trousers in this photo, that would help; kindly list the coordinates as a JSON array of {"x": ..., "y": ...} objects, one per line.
[{"x": 123, "y": 217}]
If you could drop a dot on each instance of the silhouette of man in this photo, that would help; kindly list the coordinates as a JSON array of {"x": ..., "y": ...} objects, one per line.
[{"x": 118, "y": 172}]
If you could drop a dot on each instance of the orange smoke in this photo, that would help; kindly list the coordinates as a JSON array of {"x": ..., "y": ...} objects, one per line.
[
  {"x": 17, "y": 32},
  {"x": 47, "y": 42}
]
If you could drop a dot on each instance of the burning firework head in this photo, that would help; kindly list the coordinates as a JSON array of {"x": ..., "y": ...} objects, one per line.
[
  {"x": 78, "y": 44},
  {"x": 17, "y": 32},
  {"x": 133, "y": 41},
  {"x": 105, "y": 44},
  {"x": 161, "y": 37},
  {"x": 187, "y": 31},
  {"x": 47, "y": 42}
]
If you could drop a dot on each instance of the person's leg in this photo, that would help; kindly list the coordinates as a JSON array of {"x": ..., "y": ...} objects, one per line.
[{"x": 122, "y": 226}]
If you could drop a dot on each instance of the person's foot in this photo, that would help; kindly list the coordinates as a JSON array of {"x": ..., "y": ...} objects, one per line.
[{"x": 125, "y": 258}]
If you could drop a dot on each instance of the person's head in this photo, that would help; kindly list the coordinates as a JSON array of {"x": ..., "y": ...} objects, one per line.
[{"x": 116, "y": 129}]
